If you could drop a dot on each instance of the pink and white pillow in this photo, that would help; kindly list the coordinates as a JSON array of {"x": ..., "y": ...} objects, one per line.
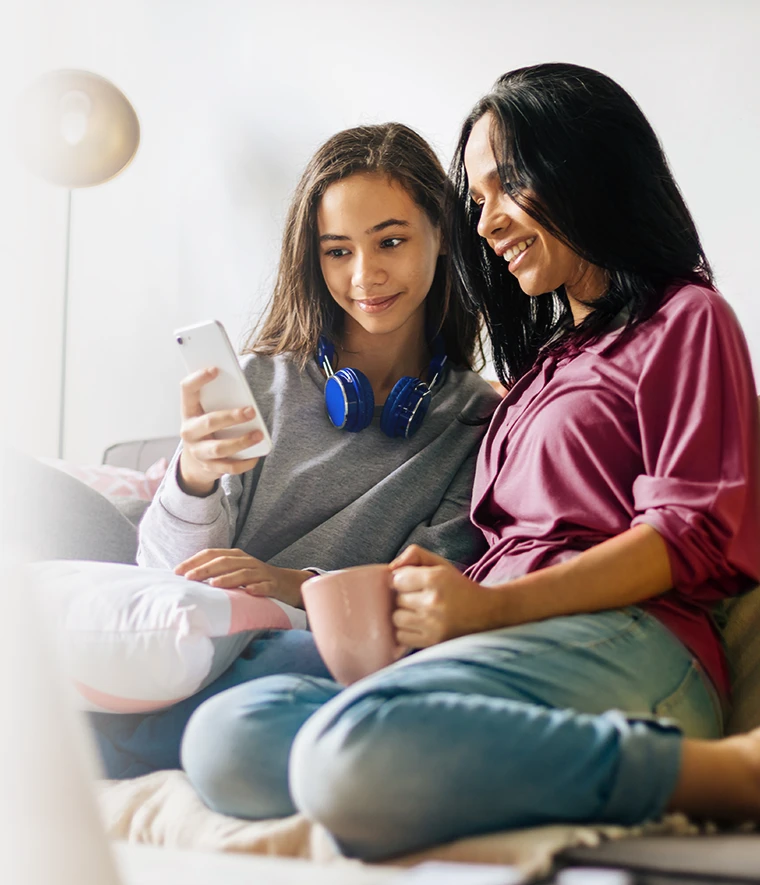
[
  {"x": 135, "y": 640},
  {"x": 121, "y": 482}
]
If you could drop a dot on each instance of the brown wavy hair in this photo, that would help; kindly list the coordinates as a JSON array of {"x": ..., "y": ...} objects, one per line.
[{"x": 301, "y": 307}]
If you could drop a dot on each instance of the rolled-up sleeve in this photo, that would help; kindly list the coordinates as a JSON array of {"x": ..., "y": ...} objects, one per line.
[{"x": 698, "y": 419}]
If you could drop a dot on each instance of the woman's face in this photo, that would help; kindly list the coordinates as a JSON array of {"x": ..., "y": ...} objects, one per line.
[
  {"x": 540, "y": 262},
  {"x": 378, "y": 253}
]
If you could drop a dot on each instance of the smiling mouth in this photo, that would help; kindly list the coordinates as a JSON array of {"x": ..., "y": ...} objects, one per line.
[
  {"x": 377, "y": 305},
  {"x": 514, "y": 253},
  {"x": 518, "y": 249}
]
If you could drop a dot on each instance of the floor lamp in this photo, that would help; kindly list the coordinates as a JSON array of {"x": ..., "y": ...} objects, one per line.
[{"x": 76, "y": 130}]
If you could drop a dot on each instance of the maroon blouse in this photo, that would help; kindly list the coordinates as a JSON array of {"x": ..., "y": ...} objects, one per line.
[{"x": 657, "y": 427}]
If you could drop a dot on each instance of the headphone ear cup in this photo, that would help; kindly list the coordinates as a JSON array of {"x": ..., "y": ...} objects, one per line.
[
  {"x": 349, "y": 399},
  {"x": 406, "y": 406}
]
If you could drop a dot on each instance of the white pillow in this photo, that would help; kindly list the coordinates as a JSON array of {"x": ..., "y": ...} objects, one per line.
[{"x": 137, "y": 639}]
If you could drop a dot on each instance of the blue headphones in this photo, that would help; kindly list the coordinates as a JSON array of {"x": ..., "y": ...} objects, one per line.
[{"x": 351, "y": 403}]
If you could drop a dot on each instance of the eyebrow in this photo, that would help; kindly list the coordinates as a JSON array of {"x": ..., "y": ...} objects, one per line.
[
  {"x": 489, "y": 177},
  {"x": 389, "y": 222}
]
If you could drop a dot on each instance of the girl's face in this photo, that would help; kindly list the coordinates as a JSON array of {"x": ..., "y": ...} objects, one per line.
[
  {"x": 378, "y": 253},
  {"x": 540, "y": 262}
]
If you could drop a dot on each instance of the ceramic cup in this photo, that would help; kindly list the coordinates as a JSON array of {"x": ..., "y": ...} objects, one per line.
[{"x": 349, "y": 614}]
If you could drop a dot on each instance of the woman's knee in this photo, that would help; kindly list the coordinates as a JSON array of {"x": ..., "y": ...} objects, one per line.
[
  {"x": 349, "y": 772},
  {"x": 236, "y": 747}
]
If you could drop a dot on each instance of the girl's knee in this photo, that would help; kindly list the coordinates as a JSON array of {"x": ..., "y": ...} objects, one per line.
[{"x": 236, "y": 746}]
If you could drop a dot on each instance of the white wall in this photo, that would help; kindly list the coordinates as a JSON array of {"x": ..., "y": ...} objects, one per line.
[{"x": 234, "y": 95}]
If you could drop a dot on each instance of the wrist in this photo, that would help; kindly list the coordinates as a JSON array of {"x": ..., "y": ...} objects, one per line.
[
  {"x": 192, "y": 479},
  {"x": 535, "y": 596},
  {"x": 504, "y": 605},
  {"x": 293, "y": 580}
]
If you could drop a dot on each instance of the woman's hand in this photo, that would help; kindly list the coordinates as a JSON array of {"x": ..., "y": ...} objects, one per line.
[
  {"x": 205, "y": 459},
  {"x": 435, "y": 602},
  {"x": 232, "y": 569}
]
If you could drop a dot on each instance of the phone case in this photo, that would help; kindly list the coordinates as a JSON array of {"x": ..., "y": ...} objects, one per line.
[{"x": 206, "y": 346}]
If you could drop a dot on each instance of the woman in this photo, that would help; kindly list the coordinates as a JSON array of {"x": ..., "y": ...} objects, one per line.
[
  {"x": 618, "y": 491},
  {"x": 364, "y": 282}
]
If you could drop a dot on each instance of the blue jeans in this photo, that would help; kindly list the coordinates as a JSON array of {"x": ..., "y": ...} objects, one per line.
[
  {"x": 511, "y": 728},
  {"x": 135, "y": 744}
]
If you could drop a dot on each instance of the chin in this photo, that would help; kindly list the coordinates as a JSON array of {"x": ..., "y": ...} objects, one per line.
[
  {"x": 533, "y": 287},
  {"x": 533, "y": 291}
]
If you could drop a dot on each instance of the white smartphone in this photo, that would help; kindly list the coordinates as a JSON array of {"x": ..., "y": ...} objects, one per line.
[{"x": 206, "y": 346}]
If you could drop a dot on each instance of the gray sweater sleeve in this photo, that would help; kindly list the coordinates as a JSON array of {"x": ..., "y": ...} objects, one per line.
[{"x": 177, "y": 525}]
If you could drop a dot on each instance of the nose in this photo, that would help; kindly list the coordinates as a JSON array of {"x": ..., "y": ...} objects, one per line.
[
  {"x": 493, "y": 220},
  {"x": 368, "y": 271}
]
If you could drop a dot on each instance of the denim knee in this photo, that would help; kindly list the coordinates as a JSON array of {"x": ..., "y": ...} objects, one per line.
[
  {"x": 236, "y": 748},
  {"x": 348, "y": 773}
]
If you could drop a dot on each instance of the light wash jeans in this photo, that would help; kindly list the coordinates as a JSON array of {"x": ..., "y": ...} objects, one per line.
[
  {"x": 555, "y": 721},
  {"x": 138, "y": 743}
]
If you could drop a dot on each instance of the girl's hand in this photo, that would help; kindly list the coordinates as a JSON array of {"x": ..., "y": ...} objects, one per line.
[
  {"x": 232, "y": 569},
  {"x": 435, "y": 602},
  {"x": 205, "y": 459}
]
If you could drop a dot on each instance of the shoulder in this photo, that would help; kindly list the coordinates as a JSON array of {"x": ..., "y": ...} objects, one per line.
[
  {"x": 471, "y": 397},
  {"x": 262, "y": 369},
  {"x": 694, "y": 306},
  {"x": 694, "y": 334},
  {"x": 280, "y": 378},
  {"x": 690, "y": 319}
]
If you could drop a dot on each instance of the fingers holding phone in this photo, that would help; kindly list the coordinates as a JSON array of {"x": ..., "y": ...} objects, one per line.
[
  {"x": 222, "y": 430},
  {"x": 205, "y": 458}
]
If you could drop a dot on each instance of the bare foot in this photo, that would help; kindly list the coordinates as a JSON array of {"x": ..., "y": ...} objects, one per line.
[{"x": 720, "y": 779}]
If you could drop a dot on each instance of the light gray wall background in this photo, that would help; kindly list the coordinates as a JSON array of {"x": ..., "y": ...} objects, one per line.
[{"x": 234, "y": 95}]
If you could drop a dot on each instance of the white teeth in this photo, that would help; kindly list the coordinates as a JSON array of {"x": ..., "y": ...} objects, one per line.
[{"x": 516, "y": 250}]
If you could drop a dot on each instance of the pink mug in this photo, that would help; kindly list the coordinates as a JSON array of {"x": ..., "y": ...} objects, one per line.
[{"x": 349, "y": 614}]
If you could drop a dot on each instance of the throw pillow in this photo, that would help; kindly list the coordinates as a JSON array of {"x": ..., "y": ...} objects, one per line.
[
  {"x": 741, "y": 634},
  {"x": 116, "y": 481},
  {"x": 135, "y": 640}
]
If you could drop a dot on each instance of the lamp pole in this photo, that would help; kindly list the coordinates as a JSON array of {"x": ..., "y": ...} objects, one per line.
[{"x": 64, "y": 330}]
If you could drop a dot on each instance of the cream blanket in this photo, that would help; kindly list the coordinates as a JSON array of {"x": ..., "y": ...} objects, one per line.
[{"x": 163, "y": 809}]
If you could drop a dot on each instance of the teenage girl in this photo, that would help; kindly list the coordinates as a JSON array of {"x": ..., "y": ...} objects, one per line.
[{"x": 362, "y": 369}]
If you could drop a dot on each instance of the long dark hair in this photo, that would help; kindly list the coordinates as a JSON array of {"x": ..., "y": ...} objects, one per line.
[
  {"x": 301, "y": 308},
  {"x": 575, "y": 152}
]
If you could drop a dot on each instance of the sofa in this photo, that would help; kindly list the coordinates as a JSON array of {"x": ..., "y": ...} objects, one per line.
[{"x": 162, "y": 808}]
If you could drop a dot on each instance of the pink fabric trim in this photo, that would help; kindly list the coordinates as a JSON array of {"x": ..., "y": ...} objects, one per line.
[
  {"x": 254, "y": 613},
  {"x": 121, "y": 705},
  {"x": 116, "y": 481}
]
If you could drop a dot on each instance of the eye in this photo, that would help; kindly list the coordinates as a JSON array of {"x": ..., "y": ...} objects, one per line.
[
  {"x": 336, "y": 253},
  {"x": 391, "y": 242}
]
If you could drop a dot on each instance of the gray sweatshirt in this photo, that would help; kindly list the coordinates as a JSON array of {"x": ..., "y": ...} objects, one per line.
[{"x": 329, "y": 499}]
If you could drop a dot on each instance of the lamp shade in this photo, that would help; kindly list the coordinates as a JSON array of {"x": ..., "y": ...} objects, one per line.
[{"x": 76, "y": 129}]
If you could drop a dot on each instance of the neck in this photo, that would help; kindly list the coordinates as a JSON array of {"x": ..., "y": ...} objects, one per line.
[
  {"x": 591, "y": 284},
  {"x": 385, "y": 358}
]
